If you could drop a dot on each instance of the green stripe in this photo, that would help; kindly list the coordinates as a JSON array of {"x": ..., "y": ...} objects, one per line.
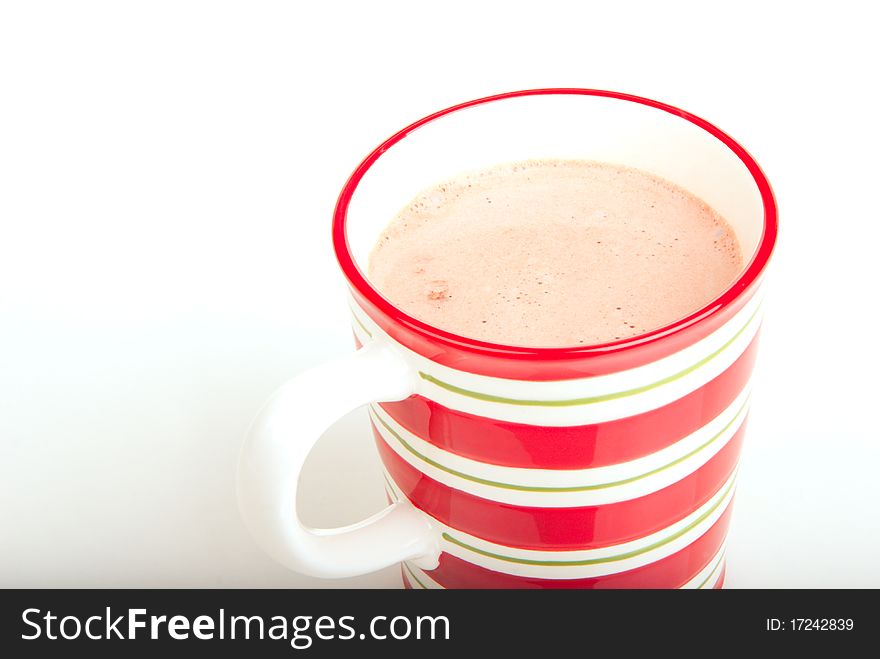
[
  {"x": 589, "y": 399},
  {"x": 360, "y": 324},
  {"x": 574, "y": 488},
  {"x": 592, "y": 561},
  {"x": 712, "y": 571},
  {"x": 413, "y": 575}
]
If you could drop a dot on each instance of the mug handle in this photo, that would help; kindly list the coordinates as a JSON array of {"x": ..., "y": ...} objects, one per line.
[{"x": 276, "y": 446}]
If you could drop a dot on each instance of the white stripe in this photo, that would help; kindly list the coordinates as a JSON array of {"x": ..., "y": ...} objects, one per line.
[
  {"x": 716, "y": 575},
  {"x": 612, "y": 493},
  {"x": 708, "y": 576},
  {"x": 704, "y": 576},
  {"x": 595, "y": 570},
  {"x": 728, "y": 421},
  {"x": 583, "y": 387},
  {"x": 422, "y": 576}
]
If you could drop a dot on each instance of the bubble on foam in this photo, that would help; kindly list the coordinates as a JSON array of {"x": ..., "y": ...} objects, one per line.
[{"x": 439, "y": 290}]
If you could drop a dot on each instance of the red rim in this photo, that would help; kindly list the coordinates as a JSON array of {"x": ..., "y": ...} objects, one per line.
[{"x": 752, "y": 272}]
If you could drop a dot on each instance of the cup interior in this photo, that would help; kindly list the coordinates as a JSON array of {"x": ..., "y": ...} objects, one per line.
[{"x": 556, "y": 124}]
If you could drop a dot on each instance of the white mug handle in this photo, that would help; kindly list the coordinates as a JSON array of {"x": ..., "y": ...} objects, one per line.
[{"x": 276, "y": 447}]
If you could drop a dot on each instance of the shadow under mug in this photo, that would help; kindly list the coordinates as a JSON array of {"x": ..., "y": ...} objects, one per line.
[{"x": 608, "y": 465}]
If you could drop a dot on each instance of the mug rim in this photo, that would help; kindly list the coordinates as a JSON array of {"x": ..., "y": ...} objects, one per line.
[{"x": 750, "y": 275}]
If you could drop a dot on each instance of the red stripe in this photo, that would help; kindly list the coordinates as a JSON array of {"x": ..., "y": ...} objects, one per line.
[
  {"x": 572, "y": 447},
  {"x": 671, "y": 572},
  {"x": 562, "y": 528}
]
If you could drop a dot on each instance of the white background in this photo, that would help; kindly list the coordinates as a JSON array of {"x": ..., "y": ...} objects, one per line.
[{"x": 167, "y": 175}]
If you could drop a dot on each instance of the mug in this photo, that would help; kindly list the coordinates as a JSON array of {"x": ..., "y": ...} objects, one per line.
[{"x": 601, "y": 466}]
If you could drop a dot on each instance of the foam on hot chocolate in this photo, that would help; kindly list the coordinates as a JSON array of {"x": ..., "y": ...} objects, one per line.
[{"x": 554, "y": 253}]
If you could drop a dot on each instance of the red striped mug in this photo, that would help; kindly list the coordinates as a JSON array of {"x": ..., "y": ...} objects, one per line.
[{"x": 609, "y": 465}]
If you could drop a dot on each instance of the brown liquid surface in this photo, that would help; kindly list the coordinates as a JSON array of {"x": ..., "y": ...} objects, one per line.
[{"x": 551, "y": 253}]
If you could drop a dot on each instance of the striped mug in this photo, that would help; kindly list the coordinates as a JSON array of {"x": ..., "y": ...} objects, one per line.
[{"x": 602, "y": 466}]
